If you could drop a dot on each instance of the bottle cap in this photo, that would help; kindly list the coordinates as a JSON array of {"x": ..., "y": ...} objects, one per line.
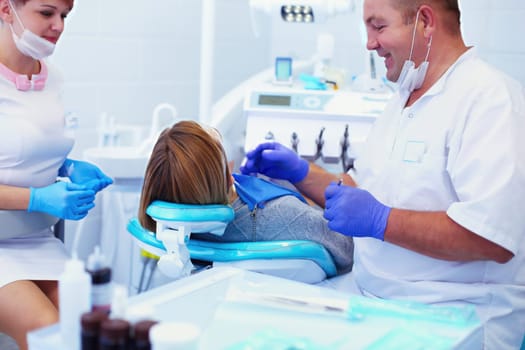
[
  {"x": 97, "y": 267},
  {"x": 170, "y": 335},
  {"x": 74, "y": 266},
  {"x": 100, "y": 276},
  {"x": 96, "y": 260}
]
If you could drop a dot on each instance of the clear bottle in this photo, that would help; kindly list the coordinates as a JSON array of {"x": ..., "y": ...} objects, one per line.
[
  {"x": 101, "y": 286},
  {"x": 74, "y": 288}
]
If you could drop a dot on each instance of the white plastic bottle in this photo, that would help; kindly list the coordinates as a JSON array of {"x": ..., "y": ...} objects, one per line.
[{"x": 74, "y": 288}]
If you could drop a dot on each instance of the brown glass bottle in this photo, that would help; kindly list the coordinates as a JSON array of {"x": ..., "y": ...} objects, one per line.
[
  {"x": 90, "y": 329},
  {"x": 141, "y": 335},
  {"x": 114, "y": 335}
]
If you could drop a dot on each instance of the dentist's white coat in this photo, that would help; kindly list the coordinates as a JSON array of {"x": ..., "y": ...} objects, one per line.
[{"x": 461, "y": 149}]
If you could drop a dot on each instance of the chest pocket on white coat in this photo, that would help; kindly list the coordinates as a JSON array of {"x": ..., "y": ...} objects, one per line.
[{"x": 425, "y": 181}]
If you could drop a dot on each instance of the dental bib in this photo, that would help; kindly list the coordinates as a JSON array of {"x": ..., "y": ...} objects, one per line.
[{"x": 255, "y": 192}]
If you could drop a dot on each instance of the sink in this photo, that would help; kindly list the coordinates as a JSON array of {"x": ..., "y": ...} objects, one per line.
[
  {"x": 122, "y": 162},
  {"x": 129, "y": 162}
]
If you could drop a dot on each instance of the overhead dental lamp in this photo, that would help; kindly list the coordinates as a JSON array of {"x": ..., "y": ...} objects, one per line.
[{"x": 302, "y": 11}]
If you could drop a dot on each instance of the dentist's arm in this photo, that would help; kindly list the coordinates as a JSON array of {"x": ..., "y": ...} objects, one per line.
[
  {"x": 436, "y": 235},
  {"x": 279, "y": 162},
  {"x": 355, "y": 212},
  {"x": 315, "y": 183}
]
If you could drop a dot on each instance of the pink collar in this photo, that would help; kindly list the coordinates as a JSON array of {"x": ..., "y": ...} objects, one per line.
[{"x": 21, "y": 81}]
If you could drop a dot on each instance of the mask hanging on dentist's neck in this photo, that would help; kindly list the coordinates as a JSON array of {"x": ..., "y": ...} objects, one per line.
[
  {"x": 29, "y": 43},
  {"x": 412, "y": 78}
]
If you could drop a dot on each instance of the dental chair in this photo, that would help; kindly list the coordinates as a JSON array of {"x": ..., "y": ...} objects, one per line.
[{"x": 176, "y": 251}]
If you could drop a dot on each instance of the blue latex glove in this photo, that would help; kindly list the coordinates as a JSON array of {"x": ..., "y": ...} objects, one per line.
[
  {"x": 84, "y": 173},
  {"x": 276, "y": 161},
  {"x": 62, "y": 199},
  {"x": 355, "y": 212}
]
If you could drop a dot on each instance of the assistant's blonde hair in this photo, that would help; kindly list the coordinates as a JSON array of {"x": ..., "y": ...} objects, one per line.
[{"x": 187, "y": 165}]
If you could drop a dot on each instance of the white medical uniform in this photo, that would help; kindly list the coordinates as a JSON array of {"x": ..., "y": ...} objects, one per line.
[
  {"x": 460, "y": 148},
  {"x": 33, "y": 146}
]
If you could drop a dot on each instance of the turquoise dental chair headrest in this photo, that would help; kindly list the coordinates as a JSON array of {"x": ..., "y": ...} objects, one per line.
[
  {"x": 211, "y": 218},
  {"x": 279, "y": 258}
]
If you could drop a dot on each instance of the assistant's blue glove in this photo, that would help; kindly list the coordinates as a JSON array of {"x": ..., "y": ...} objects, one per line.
[
  {"x": 62, "y": 199},
  {"x": 355, "y": 212},
  {"x": 276, "y": 161},
  {"x": 84, "y": 173}
]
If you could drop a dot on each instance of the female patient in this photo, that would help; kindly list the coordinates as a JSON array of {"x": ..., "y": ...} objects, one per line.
[{"x": 188, "y": 165}]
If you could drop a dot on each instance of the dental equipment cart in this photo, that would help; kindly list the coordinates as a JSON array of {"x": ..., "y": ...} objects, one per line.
[
  {"x": 231, "y": 306},
  {"x": 320, "y": 125}
]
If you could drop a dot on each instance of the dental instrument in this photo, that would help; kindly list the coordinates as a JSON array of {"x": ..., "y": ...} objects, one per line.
[
  {"x": 356, "y": 308},
  {"x": 289, "y": 110}
]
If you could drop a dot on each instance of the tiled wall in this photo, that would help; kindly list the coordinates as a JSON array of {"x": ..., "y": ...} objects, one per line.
[
  {"x": 126, "y": 56},
  {"x": 497, "y": 28}
]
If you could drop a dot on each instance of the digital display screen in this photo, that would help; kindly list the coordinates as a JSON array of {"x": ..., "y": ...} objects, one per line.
[{"x": 274, "y": 100}]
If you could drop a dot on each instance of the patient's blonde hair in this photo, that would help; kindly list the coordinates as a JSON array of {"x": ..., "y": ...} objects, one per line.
[{"x": 187, "y": 165}]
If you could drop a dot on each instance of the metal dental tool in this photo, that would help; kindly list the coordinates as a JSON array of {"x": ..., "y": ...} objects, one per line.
[
  {"x": 320, "y": 143},
  {"x": 346, "y": 161},
  {"x": 295, "y": 141}
]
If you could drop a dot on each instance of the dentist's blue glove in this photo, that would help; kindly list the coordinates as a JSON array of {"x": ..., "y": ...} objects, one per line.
[
  {"x": 276, "y": 161},
  {"x": 355, "y": 212},
  {"x": 62, "y": 199},
  {"x": 84, "y": 173}
]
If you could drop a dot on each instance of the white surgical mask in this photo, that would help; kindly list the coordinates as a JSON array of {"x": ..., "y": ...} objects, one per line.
[
  {"x": 29, "y": 43},
  {"x": 412, "y": 78}
]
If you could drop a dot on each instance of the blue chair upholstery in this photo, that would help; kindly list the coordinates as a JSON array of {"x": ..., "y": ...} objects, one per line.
[{"x": 272, "y": 257}]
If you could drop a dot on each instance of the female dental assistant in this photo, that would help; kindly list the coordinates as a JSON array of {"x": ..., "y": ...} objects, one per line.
[{"x": 33, "y": 151}]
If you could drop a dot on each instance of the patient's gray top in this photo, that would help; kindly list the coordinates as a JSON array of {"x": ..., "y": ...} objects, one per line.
[{"x": 287, "y": 218}]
